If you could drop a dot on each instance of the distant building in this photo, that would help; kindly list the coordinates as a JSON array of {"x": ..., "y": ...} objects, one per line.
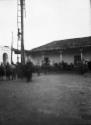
[
  {"x": 69, "y": 51},
  {"x": 5, "y": 54}
]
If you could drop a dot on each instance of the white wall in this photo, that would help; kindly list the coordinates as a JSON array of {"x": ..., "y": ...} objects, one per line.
[
  {"x": 5, "y": 50},
  {"x": 37, "y": 59},
  {"x": 87, "y": 54},
  {"x": 67, "y": 56}
]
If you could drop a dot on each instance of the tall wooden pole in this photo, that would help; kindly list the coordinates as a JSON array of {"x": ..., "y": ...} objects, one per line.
[
  {"x": 12, "y": 49},
  {"x": 22, "y": 32}
]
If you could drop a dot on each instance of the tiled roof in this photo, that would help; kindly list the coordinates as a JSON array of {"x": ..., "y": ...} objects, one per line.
[
  {"x": 64, "y": 44},
  {"x": 60, "y": 44}
]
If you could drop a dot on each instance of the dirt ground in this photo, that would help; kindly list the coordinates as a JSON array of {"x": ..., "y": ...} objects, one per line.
[{"x": 55, "y": 99}]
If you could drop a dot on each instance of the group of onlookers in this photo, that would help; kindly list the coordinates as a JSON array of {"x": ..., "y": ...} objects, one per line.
[
  {"x": 15, "y": 71},
  {"x": 24, "y": 71},
  {"x": 7, "y": 71}
]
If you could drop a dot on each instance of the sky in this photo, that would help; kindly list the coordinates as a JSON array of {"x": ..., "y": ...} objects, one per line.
[{"x": 46, "y": 21}]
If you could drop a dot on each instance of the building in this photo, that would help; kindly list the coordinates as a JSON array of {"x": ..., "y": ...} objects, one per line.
[
  {"x": 68, "y": 50},
  {"x": 5, "y": 54}
]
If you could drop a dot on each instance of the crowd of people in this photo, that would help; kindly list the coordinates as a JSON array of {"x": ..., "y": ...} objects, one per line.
[
  {"x": 7, "y": 71},
  {"x": 15, "y": 71},
  {"x": 25, "y": 71}
]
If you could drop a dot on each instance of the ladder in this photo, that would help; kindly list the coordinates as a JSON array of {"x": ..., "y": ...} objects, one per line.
[{"x": 20, "y": 30}]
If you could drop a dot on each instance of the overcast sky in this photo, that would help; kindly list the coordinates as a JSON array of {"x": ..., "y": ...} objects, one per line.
[{"x": 46, "y": 20}]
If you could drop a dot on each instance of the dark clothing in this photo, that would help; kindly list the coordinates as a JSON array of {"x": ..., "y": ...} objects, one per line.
[{"x": 28, "y": 71}]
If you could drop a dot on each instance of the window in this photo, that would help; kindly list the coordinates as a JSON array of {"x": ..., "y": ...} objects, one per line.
[{"x": 77, "y": 59}]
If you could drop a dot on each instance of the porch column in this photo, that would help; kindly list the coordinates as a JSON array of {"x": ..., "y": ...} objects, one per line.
[
  {"x": 42, "y": 57},
  {"x": 81, "y": 52},
  {"x": 61, "y": 56}
]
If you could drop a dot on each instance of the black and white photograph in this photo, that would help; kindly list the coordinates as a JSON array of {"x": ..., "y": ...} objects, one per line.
[{"x": 45, "y": 62}]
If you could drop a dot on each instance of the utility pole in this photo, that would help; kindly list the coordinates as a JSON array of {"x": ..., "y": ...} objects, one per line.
[
  {"x": 12, "y": 49},
  {"x": 22, "y": 32},
  {"x": 20, "y": 27}
]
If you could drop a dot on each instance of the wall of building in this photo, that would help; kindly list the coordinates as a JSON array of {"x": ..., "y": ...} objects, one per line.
[
  {"x": 67, "y": 56},
  {"x": 5, "y": 50},
  {"x": 38, "y": 59},
  {"x": 87, "y": 54}
]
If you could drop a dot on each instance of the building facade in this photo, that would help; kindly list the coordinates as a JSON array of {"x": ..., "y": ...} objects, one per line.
[
  {"x": 5, "y": 54},
  {"x": 69, "y": 51}
]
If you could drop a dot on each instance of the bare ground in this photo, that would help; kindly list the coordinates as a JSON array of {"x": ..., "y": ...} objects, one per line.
[{"x": 58, "y": 99}]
